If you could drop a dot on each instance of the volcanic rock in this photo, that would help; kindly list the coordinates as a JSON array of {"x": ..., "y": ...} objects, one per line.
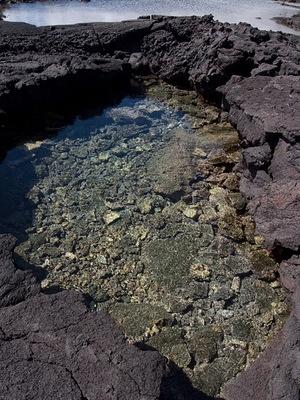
[
  {"x": 55, "y": 340},
  {"x": 15, "y": 285}
]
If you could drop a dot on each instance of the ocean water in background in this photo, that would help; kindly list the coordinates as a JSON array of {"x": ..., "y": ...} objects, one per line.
[{"x": 258, "y": 13}]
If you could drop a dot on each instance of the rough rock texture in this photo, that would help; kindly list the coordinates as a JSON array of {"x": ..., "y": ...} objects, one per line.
[
  {"x": 255, "y": 74},
  {"x": 266, "y": 112},
  {"x": 75, "y": 62},
  {"x": 15, "y": 285},
  {"x": 275, "y": 375},
  {"x": 56, "y": 340}
]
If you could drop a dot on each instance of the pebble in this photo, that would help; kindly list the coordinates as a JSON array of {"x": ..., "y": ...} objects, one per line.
[
  {"x": 226, "y": 313},
  {"x": 111, "y": 217},
  {"x": 190, "y": 212},
  {"x": 102, "y": 259},
  {"x": 236, "y": 284},
  {"x": 200, "y": 272},
  {"x": 70, "y": 256}
]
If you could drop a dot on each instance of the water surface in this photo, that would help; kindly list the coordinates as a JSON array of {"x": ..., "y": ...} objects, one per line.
[
  {"x": 70, "y": 12},
  {"x": 139, "y": 206}
]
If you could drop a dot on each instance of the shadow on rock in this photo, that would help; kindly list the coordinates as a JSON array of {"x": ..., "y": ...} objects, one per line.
[
  {"x": 38, "y": 272},
  {"x": 46, "y": 123},
  {"x": 175, "y": 384}
]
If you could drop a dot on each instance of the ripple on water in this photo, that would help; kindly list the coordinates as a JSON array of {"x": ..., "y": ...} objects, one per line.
[{"x": 140, "y": 208}]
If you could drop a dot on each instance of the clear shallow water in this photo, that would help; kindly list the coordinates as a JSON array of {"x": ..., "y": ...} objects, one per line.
[
  {"x": 70, "y": 12},
  {"x": 139, "y": 207}
]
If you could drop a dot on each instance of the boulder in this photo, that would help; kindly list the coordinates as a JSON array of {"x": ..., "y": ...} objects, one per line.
[
  {"x": 15, "y": 285},
  {"x": 264, "y": 108}
]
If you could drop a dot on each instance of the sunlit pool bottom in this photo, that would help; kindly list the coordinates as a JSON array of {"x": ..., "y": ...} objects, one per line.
[{"x": 139, "y": 207}]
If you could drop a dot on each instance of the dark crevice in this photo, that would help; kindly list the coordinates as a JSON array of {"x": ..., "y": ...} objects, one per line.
[
  {"x": 196, "y": 179},
  {"x": 76, "y": 384},
  {"x": 193, "y": 361},
  {"x": 272, "y": 140},
  {"x": 283, "y": 254},
  {"x": 242, "y": 68},
  {"x": 177, "y": 385},
  {"x": 229, "y": 302},
  {"x": 245, "y": 274}
]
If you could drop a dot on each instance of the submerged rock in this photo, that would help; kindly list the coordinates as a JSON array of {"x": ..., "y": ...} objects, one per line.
[
  {"x": 139, "y": 320},
  {"x": 111, "y": 217},
  {"x": 172, "y": 173}
]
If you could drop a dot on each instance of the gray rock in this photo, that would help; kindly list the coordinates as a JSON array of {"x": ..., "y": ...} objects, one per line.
[
  {"x": 278, "y": 214},
  {"x": 257, "y": 118},
  {"x": 15, "y": 285},
  {"x": 257, "y": 157},
  {"x": 292, "y": 22}
]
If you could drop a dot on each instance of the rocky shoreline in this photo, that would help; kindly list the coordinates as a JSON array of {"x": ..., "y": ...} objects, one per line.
[
  {"x": 252, "y": 74},
  {"x": 292, "y": 22}
]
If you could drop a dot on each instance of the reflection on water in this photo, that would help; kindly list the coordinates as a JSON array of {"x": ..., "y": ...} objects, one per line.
[{"x": 69, "y": 12}]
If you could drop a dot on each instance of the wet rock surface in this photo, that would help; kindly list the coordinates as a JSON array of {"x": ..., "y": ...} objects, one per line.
[{"x": 206, "y": 55}]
